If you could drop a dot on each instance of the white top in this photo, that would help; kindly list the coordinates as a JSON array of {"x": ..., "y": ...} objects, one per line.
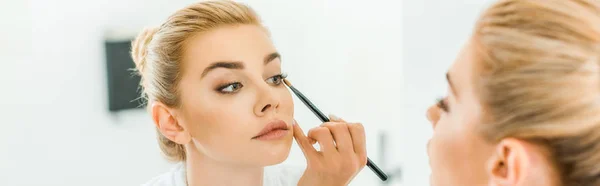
[{"x": 278, "y": 175}]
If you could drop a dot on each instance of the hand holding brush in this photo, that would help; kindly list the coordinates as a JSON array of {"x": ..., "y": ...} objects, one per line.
[
  {"x": 343, "y": 147},
  {"x": 335, "y": 164}
]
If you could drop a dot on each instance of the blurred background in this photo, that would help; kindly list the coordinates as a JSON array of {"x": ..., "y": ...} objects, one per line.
[{"x": 380, "y": 62}]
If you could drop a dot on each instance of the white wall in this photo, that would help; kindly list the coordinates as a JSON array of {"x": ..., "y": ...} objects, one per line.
[
  {"x": 434, "y": 32},
  {"x": 57, "y": 130}
]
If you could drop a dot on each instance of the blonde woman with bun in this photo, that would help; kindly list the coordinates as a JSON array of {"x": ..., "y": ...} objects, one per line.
[
  {"x": 523, "y": 107},
  {"x": 213, "y": 82}
]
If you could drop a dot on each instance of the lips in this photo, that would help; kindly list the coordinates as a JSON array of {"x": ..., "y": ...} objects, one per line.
[{"x": 273, "y": 130}]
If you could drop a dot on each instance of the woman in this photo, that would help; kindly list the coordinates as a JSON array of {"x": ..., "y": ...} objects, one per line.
[
  {"x": 213, "y": 82},
  {"x": 523, "y": 104}
]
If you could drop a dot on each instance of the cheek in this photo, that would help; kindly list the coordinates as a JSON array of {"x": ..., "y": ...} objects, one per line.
[
  {"x": 448, "y": 152},
  {"x": 448, "y": 143},
  {"x": 213, "y": 119},
  {"x": 457, "y": 153},
  {"x": 286, "y": 106}
]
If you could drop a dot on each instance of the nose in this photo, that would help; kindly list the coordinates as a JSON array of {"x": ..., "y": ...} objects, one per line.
[
  {"x": 267, "y": 101},
  {"x": 433, "y": 115}
]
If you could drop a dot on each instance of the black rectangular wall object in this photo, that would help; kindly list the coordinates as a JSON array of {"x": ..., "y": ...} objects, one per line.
[{"x": 123, "y": 82}]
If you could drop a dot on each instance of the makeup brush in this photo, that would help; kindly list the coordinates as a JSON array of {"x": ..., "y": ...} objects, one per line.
[{"x": 324, "y": 118}]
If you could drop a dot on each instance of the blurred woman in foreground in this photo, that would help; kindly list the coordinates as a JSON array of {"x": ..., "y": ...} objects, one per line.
[{"x": 523, "y": 106}]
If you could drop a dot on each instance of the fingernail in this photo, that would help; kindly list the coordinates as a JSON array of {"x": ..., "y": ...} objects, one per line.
[{"x": 333, "y": 117}]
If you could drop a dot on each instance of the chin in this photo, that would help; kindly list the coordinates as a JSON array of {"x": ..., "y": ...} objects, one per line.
[
  {"x": 276, "y": 160},
  {"x": 277, "y": 154}
]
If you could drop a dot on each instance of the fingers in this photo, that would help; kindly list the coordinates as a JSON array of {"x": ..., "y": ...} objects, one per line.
[
  {"x": 336, "y": 119},
  {"x": 305, "y": 143},
  {"x": 335, "y": 136},
  {"x": 324, "y": 138},
  {"x": 342, "y": 155},
  {"x": 341, "y": 135},
  {"x": 357, "y": 131}
]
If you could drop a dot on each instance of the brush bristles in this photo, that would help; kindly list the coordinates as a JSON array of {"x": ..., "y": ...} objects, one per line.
[{"x": 287, "y": 82}]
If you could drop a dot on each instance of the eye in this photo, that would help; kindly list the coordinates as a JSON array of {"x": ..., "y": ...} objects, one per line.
[
  {"x": 442, "y": 104},
  {"x": 230, "y": 88},
  {"x": 277, "y": 79}
]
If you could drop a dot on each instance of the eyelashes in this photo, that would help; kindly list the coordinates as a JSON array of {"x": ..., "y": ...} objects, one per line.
[
  {"x": 442, "y": 104},
  {"x": 277, "y": 79},
  {"x": 230, "y": 88}
]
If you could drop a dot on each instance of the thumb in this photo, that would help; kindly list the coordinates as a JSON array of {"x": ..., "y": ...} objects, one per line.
[{"x": 304, "y": 142}]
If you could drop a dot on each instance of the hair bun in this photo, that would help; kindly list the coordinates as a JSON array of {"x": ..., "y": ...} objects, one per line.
[{"x": 139, "y": 48}]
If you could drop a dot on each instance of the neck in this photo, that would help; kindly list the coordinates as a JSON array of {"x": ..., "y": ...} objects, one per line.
[{"x": 203, "y": 171}]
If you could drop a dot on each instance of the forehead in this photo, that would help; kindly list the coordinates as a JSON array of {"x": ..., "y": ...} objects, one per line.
[
  {"x": 462, "y": 72},
  {"x": 243, "y": 43},
  {"x": 465, "y": 74}
]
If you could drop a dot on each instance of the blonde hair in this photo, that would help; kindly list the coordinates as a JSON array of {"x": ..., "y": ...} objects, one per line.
[
  {"x": 540, "y": 79},
  {"x": 157, "y": 53}
]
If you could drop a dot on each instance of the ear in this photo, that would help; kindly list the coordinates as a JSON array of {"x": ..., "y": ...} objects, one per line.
[
  {"x": 509, "y": 164},
  {"x": 166, "y": 122}
]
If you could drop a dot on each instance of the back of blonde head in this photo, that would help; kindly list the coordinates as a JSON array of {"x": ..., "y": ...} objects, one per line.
[
  {"x": 158, "y": 52},
  {"x": 541, "y": 79}
]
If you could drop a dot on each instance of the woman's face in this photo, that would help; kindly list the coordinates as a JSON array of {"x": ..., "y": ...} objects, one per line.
[
  {"x": 231, "y": 89},
  {"x": 457, "y": 153}
]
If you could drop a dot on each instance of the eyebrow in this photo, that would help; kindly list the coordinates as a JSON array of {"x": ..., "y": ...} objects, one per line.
[
  {"x": 452, "y": 88},
  {"x": 271, "y": 57},
  {"x": 237, "y": 65}
]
